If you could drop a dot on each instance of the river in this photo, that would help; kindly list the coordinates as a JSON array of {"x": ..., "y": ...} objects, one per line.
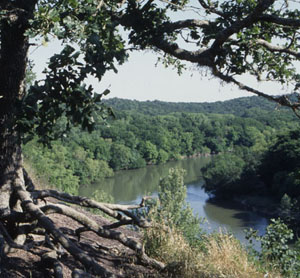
[{"x": 131, "y": 185}]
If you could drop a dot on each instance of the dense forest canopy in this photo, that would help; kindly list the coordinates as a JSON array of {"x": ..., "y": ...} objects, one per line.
[
  {"x": 144, "y": 133},
  {"x": 240, "y": 106},
  {"x": 230, "y": 38}
]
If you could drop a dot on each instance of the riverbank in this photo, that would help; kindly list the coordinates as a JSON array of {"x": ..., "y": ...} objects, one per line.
[{"x": 261, "y": 204}]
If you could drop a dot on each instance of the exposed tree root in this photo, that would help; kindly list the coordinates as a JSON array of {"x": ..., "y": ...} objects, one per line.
[{"x": 33, "y": 221}]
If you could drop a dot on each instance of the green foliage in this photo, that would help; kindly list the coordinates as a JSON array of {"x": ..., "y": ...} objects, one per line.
[
  {"x": 65, "y": 166},
  {"x": 222, "y": 175},
  {"x": 289, "y": 212},
  {"x": 149, "y": 151},
  {"x": 281, "y": 163},
  {"x": 91, "y": 46},
  {"x": 257, "y": 170},
  {"x": 133, "y": 140},
  {"x": 248, "y": 107},
  {"x": 121, "y": 156},
  {"x": 251, "y": 51},
  {"x": 172, "y": 210},
  {"x": 275, "y": 250},
  {"x": 176, "y": 239}
]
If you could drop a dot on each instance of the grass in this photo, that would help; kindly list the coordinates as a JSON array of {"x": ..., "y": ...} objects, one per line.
[{"x": 219, "y": 255}]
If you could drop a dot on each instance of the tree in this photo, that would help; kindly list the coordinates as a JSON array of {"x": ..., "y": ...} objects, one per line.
[
  {"x": 222, "y": 174},
  {"x": 237, "y": 38},
  {"x": 148, "y": 151},
  {"x": 90, "y": 47}
]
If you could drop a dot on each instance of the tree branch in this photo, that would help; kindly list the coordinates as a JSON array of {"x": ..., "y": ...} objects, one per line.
[
  {"x": 109, "y": 209},
  {"x": 223, "y": 35},
  {"x": 274, "y": 48},
  {"x": 181, "y": 24},
  {"x": 45, "y": 222},
  {"x": 291, "y": 22},
  {"x": 110, "y": 234},
  {"x": 10, "y": 241},
  {"x": 211, "y": 8},
  {"x": 282, "y": 100},
  {"x": 202, "y": 56}
]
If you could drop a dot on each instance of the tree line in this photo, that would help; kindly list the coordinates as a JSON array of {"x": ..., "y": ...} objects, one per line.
[
  {"x": 274, "y": 171},
  {"x": 133, "y": 140}
]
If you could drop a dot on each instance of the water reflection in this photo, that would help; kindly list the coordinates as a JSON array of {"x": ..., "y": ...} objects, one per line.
[
  {"x": 127, "y": 186},
  {"x": 130, "y": 186}
]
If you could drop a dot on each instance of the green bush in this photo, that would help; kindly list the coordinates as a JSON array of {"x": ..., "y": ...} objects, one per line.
[
  {"x": 276, "y": 253},
  {"x": 171, "y": 208},
  {"x": 223, "y": 173}
]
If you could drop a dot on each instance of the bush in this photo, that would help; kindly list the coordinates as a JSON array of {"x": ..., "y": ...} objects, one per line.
[
  {"x": 223, "y": 173},
  {"x": 176, "y": 239},
  {"x": 275, "y": 250},
  {"x": 171, "y": 208}
]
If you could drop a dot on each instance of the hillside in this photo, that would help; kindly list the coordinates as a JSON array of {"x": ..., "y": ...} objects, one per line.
[{"x": 236, "y": 106}]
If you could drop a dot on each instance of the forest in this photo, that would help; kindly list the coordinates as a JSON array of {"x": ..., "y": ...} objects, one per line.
[
  {"x": 255, "y": 151},
  {"x": 256, "y": 148},
  {"x": 134, "y": 138}
]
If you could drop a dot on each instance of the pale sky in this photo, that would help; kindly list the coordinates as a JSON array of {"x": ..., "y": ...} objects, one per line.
[{"x": 140, "y": 79}]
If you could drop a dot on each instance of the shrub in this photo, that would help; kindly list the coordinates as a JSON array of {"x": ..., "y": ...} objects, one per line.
[
  {"x": 275, "y": 250},
  {"x": 176, "y": 239},
  {"x": 171, "y": 208}
]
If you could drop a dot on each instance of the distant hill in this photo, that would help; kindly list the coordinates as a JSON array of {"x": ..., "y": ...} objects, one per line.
[
  {"x": 254, "y": 107},
  {"x": 236, "y": 107}
]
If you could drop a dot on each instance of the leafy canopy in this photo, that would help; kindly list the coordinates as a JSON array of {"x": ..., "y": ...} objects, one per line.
[
  {"x": 231, "y": 38},
  {"x": 91, "y": 46}
]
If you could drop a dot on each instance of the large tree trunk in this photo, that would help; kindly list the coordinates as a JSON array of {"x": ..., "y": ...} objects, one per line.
[{"x": 13, "y": 61}]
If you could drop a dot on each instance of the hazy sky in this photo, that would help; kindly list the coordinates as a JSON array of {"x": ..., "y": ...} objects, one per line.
[{"x": 140, "y": 79}]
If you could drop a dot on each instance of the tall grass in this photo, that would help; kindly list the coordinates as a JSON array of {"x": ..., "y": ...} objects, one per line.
[
  {"x": 219, "y": 255},
  {"x": 176, "y": 239}
]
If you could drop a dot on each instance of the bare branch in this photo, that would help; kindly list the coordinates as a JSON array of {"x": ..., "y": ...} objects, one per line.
[
  {"x": 50, "y": 260},
  {"x": 109, "y": 209},
  {"x": 78, "y": 273},
  {"x": 211, "y": 8},
  {"x": 181, "y": 24},
  {"x": 45, "y": 222},
  {"x": 6, "y": 237},
  {"x": 110, "y": 234},
  {"x": 281, "y": 100},
  {"x": 274, "y": 48},
  {"x": 202, "y": 56}
]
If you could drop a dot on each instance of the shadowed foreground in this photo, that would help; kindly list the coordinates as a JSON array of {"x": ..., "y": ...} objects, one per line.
[{"x": 44, "y": 258}]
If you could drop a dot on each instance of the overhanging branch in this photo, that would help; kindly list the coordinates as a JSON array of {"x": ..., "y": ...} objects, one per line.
[
  {"x": 234, "y": 28},
  {"x": 274, "y": 48},
  {"x": 291, "y": 22},
  {"x": 181, "y": 24},
  {"x": 281, "y": 100}
]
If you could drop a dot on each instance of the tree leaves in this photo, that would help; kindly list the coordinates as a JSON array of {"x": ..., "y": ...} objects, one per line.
[{"x": 91, "y": 47}]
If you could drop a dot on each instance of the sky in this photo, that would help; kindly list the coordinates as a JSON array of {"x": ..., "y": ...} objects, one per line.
[{"x": 140, "y": 79}]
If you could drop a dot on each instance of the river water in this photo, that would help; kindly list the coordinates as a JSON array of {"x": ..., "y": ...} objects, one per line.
[{"x": 130, "y": 186}]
